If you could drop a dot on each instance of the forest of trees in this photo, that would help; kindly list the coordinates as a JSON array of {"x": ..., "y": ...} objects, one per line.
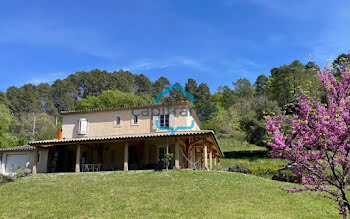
[{"x": 241, "y": 107}]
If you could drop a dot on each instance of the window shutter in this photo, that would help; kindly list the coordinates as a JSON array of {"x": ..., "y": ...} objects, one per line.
[
  {"x": 172, "y": 120},
  {"x": 83, "y": 126},
  {"x": 155, "y": 118}
]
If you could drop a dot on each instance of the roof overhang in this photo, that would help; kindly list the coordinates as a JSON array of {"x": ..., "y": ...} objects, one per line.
[
  {"x": 18, "y": 148},
  {"x": 115, "y": 138}
]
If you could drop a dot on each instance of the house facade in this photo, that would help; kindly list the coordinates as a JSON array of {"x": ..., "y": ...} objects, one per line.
[{"x": 129, "y": 138}]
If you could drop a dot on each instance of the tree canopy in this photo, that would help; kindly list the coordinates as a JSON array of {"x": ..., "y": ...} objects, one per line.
[
  {"x": 112, "y": 99},
  {"x": 318, "y": 145},
  {"x": 6, "y": 118}
]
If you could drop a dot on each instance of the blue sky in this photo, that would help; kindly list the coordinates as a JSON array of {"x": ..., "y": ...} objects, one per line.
[{"x": 215, "y": 42}]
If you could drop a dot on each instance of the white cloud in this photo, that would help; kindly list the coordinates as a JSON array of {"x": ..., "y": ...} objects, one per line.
[
  {"x": 147, "y": 64},
  {"x": 37, "y": 81},
  {"x": 143, "y": 64},
  {"x": 48, "y": 78}
]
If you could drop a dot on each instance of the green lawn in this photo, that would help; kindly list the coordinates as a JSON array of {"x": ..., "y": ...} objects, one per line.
[{"x": 208, "y": 194}]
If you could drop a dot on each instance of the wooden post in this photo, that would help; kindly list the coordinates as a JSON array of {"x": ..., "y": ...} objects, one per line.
[
  {"x": 77, "y": 160},
  {"x": 211, "y": 159},
  {"x": 177, "y": 154},
  {"x": 35, "y": 164},
  {"x": 205, "y": 151},
  {"x": 195, "y": 156},
  {"x": 126, "y": 157},
  {"x": 215, "y": 160}
]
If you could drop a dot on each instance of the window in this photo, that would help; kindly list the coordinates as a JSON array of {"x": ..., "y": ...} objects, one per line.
[
  {"x": 39, "y": 157},
  {"x": 136, "y": 119},
  {"x": 164, "y": 121},
  {"x": 161, "y": 153},
  {"x": 117, "y": 121},
  {"x": 83, "y": 125}
]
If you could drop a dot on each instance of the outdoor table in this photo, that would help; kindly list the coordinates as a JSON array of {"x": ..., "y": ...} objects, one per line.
[{"x": 90, "y": 167}]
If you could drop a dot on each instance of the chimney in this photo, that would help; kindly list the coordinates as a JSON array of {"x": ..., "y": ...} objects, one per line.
[{"x": 59, "y": 133}]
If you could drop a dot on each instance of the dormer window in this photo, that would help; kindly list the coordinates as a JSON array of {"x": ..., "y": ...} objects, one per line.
[{"x": 82, "y": 126}]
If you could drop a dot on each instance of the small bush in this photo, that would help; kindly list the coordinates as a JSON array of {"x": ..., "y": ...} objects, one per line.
[
  {"x": 264, "y": 170},
  {"x": 20, "y": 173},
  {"x": 6, "y": 178},
  {"x": 239, "y": 168}
]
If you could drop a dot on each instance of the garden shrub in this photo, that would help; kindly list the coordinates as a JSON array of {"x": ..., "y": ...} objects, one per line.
[
  {"x": 264, "y": 170},
  {"x": 239, "y": 168},
  {"x": 20, "y": 173},
  {"x": 5, "y": 178},
  {"x": 287, "y": 176}
]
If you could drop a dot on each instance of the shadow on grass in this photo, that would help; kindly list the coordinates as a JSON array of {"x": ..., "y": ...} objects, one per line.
[{"x": 251, "y": 155}]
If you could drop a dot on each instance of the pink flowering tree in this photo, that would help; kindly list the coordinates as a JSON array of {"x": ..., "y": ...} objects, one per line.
[{"x": 318, "y": 145}]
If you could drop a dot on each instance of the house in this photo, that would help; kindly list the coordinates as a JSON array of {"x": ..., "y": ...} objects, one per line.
[
  {"x": 129, "y": 138},
  {"x": 11, "y": 159}
]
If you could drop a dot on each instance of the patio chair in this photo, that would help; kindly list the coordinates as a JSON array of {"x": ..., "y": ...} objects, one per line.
[
  {"x": 88, "y": 168},
  {"x": 97, "y": 167}
]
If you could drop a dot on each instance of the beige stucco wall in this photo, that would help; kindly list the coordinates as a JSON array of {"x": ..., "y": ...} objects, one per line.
[
  {"x": 103, "y": 123},
  {"x": 189, "y": 120},
  {"x": 117, "y": 149},
  {"x": 42, "y": 164}
]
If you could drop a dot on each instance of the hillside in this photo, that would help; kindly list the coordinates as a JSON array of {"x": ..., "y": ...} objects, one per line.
[{"x": 157, "y": 194}]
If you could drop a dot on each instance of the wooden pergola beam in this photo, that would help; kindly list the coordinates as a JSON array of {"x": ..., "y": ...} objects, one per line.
[
  {"x": 181, "y": 141},
  {"x": 196, "y": 142}
]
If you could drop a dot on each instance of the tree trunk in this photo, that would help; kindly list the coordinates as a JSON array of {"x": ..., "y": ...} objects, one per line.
[{"x": 345, "y": 216}]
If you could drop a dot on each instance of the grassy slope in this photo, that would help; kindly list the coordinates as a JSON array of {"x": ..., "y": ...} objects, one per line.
[
  {"x": 230, "y": 144},
  {"x": 170, "y": 194},
  {"x": 263, "y": 164}
]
